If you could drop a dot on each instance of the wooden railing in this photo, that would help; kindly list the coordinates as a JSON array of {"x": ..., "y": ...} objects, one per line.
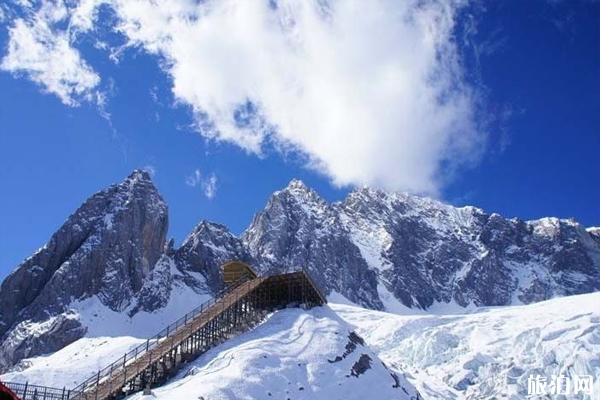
[
  {"x": 26, "y": 391},
  {"x": 237, "y": 307},
  {"x": 151, "y": 345}
]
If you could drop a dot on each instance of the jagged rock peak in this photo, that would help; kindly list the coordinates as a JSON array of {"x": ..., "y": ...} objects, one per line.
[
  {"x": 105, "y": 249},
  {"x": 298, "y": 185},
  {"x": 207, "y": 232},
  {"x": 205, "y": 226},
  {"x": 299, "y": 192},
  {"x": 138, "y": 175},
  {"x": 206, "y": 248},
  {"x": 391, "y": 198}
]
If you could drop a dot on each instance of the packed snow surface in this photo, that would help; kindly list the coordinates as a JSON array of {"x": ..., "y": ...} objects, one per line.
[
  {"x": 293, "y": 355},
  {"x": 74, "y": 363},
  {"x": 488, "y": 353},
  {"x": 484, "y": 353}
]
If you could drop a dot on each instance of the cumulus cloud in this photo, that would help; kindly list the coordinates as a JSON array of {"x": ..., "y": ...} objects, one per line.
[
  {"x": 208, "y": 184},
  {"x": 370, "y": 92},
  {"x": 44, "y": 54}
]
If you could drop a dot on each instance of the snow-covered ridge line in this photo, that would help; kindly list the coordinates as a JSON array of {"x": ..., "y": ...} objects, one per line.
[{"x": 385, "y": 251}]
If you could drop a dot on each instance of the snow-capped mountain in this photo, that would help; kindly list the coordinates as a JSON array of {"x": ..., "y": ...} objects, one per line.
[
  {"x": 382, "y": 250},
  {"x": 109, "y": 269},
  {"x": 107, "y": 258},
  {"x": 208, "y": 247},
  {"x": 299, "y": 229}
]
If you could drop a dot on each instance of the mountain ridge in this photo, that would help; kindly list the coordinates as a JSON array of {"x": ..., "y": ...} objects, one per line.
[{"x": 378, "y": 249}]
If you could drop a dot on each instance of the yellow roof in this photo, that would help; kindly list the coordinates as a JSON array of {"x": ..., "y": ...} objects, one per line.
[{"x": 233, "y": 270}]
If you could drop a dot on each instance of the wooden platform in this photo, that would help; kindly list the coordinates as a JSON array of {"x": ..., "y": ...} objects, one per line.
[{"x": 241, "y": 307}]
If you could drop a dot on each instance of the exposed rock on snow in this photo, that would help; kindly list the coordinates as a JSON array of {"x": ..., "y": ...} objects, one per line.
[
  {"x": 286, "y": 357},
  {"x": 490, "y": 353},
  {"x": 109, "y": 262}
]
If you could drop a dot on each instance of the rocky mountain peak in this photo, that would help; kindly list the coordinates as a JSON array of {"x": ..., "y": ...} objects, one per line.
[
  {"x": 382, "y": 250},
  {"x": 139, "y": 175},
  {"x": 298, "y": 184},
  {"x": 296, "y": 192},
  {"x": 105, "y": 249},
  {"x": 206, "y": 229},
  {"x": 208, "y": 247}
]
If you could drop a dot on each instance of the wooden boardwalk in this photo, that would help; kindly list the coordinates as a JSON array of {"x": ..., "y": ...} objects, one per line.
[
  {"x": 117, "y": 380},
  {"x": 237, "y": 310}
]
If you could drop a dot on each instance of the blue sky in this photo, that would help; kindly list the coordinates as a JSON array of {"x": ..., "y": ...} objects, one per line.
[{"x": 519, "y": 125}]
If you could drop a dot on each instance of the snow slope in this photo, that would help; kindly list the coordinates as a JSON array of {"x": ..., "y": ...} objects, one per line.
[
  {"x": 485, "y": 353},
  {"x": 74, "y": 363},
  {"x": 294, "y": 354},
  {"x": 489, "y": 353}
]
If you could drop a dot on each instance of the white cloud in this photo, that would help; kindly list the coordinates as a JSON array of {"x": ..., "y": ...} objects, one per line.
[
  {"x": 194, "y": 179},
  {"x": 208, "y": 184},
  {"x": 44, "y": 54},
  {"x": 370, "y": 91}
]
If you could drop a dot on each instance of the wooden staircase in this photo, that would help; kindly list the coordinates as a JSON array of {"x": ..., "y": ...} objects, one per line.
[{"x": 240, "y": 307}]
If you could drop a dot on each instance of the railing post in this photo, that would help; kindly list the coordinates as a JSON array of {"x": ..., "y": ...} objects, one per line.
[
  {"x": 110, "y": 378},
  {"x": 97, "y": 383}
]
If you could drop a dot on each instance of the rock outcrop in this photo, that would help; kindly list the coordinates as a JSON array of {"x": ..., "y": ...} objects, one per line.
[
  {"x": 107, "y": 248},
  {"x": 377, "y": 249}
]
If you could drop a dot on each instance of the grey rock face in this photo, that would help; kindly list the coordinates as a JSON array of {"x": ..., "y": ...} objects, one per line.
[
  {"x": 376, "y": 246},
  {"x": 28, "y": 339},
  {"x": 298, "y": 229},
  {"x": 208, "y": 247},
  {"x": 380, "y": 250},
  {"x": 106, "y": 248},
  {"x": 156, "y": 290}
]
